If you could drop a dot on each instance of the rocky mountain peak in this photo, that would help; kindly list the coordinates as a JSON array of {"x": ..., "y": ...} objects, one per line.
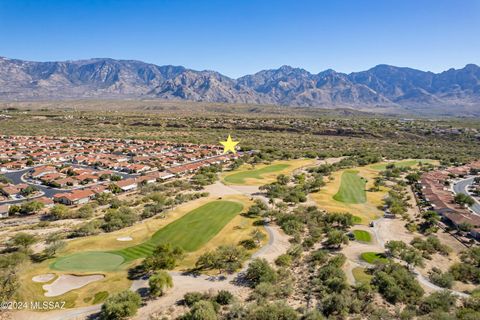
[{"x": 381, "y": 86}]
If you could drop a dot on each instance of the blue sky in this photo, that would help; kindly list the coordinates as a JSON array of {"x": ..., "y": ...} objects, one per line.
[{"x": 242, "y": 37}]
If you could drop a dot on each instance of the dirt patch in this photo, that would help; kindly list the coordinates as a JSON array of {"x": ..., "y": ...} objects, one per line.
[
  {"x": 218, "y": 189},
  {"x": 68, "y": 282},
  {"x": 43, "y": 277}
]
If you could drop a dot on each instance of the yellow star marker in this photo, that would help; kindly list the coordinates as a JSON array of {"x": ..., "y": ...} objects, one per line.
[{"x": 229, "y": 145}]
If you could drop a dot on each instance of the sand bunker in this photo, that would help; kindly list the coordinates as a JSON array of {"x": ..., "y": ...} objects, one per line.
[
  {"x": 124, "y": 238},
  {"x": 43, "y": 277},
  {"x": 68, "y": 282}
]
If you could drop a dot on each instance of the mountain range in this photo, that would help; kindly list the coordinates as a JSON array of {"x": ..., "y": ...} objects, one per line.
[{"x": 384, "y": 87}]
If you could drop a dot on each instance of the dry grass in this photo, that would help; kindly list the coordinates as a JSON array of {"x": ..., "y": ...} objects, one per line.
[{"x": 367, "y": 211}]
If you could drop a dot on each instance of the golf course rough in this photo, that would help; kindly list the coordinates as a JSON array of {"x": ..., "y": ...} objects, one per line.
[
  {"x": 239, "y": 177},
  {"x": 352, "y": 188},
  {"x": 190, "y": 232}
]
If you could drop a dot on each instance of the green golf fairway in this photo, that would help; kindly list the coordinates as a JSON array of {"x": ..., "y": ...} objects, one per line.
[
  {"x": 190, "y": 232},
  {"x": 352, "y": 188},
  {"x": 239, "y": 178},
  {"x": 405, "y": 163},
  {"x": 88, "y": 261}
]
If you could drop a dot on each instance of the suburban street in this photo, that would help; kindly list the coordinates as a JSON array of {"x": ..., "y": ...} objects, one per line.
[
  {"x": 461, "y": 187},
  {"x": 16, "y": 177}
]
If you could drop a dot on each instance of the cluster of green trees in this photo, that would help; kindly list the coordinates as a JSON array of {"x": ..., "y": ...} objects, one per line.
[
  {"x": 116, "y": 219},
  {"x": 463, "y": 199},
  {"x": 316, "y": 225},
  {"x": 170, "y": 188},
  {"x": 441, "y": 279},
  {"x": 103, "y": 198},
  {"x": 158, "y": 202},
  {"x": 336, "y": 298},
  {"x": 120, "y": 306},
  {"x": 226, "y": 258},
  {"x": 430, "y": 245},
  {"x": 396, "y": 283},
  {"x": 26, "y": 208},
  {"x": 267, "y": 282},
  {"x": 159, "y": 282},
  {"x": 393, "y": 172},
  {"x": 293, "y": 190},
  {"x": 164, "y": 257},
  {"x": 429, "y": 223},
  {"x": 468, "y": 269},
  {"x": 60, "y": 211},
  {"x": 206, "y": 175},
  {"x": 289, "y": 194},
  {"x": 257, "y": 236},
  {"x": 87, "y": 229},
  {"x": 258, "y": 209},
  {"x": 397, "y": 200},
  {"x": 400, "y": 250},
  {"x": 185, "y": 197},
  {"x": 205, "y": 306}
]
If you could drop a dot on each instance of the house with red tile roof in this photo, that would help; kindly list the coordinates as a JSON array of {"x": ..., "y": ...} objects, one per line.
[
  {"x": 43, "y": 170},
  {"x": 441, "y": 199},
  {"x": 74, "y": 197},
  {"x": 127, "y": 184},
  {"x": 47, "y": 202}
]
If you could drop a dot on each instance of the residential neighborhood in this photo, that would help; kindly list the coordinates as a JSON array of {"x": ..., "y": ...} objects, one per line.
[
  {"x": 437, "y": 192},
  {"x": 73, "y": 171}
]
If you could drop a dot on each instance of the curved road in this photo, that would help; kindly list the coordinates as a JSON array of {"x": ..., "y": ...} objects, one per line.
[
  {"x": 17, "y": 177},
  {"x": 462, "y": 187}
]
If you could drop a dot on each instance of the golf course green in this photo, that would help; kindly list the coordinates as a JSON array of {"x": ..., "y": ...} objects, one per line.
[
  {"x": 190, "y": 232},
  {"x": 88, "y": 261},
  {"x": 239, "y": 177},
  {"x": 362, "y": 236},
  {"x": 352, "y": 188},
  {"x": 374, "y": 257}
]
